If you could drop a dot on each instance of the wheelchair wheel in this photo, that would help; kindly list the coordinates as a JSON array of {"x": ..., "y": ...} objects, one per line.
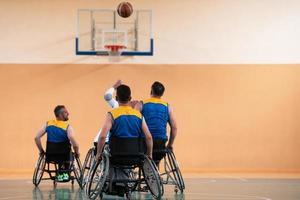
[
  {"x": 87, "y": 166},
  {"x": 152, "y": 178},
  {"x": 77, "y": 169},
  {"x": 97, "y": 177},
  {"x": 160, "y": 180},
  {"x": 39, "y": 170},
  {"x": 176, "y": 171}
]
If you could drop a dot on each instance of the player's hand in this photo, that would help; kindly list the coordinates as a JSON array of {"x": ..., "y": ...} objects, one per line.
[
  {"x": 117, "y": 84},
  {"x": 98, "y": 157},
  {"x": 149, "y": 155},
  {"x": 169, "y": 146},
  {"x": 42, "y": 152},
  {"x": 77, "y": 155},
  {"x": 133, "y": 103}
]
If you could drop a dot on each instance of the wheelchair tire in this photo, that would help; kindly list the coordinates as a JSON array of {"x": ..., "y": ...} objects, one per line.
[
  {"x": 77, "y": 169},
  {"x": 39, "y": 170},
  {"x": 97, "y": 177},
  {"x": 161, "y": 183},
  {"x": 152, "y": 178},
  {"x": 87, "y": 166},
  {"x": 176, "y": 171}
]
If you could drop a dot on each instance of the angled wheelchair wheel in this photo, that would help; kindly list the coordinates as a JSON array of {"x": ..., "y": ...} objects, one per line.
[
  {"x": 77, "y": 169},
  {"x": 39, "y": 170},
  {"x": 87, "y": 165},
  {"x": 160, "y": 180},
  {"x": 97, "y": 177},
  {"x": 175, "y": 171},
  {"x": 152, "y": 178}
]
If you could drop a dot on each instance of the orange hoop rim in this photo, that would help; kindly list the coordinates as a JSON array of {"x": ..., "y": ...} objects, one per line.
[{"x": 115, "y": 47}]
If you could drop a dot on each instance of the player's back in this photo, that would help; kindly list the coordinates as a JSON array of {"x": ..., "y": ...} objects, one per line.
[{"x": 156, "y": 114}]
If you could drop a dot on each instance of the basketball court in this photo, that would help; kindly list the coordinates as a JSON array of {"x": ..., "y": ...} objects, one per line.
[
  {"x": 230, "y": 69},
  {"x": 197, "y": 188}
]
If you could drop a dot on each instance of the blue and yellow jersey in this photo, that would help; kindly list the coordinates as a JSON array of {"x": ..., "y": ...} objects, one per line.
[
  {"x": 127, "y": 122},
  {"x": 57, "y": 131},
  {"x": 156, "y": 114}
]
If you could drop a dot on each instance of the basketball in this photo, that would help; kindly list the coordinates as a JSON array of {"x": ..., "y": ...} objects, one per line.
[{"x": 125, "y": 9}]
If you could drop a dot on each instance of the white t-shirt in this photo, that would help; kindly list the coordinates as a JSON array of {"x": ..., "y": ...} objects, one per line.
[{"x": 108, "y": 96}]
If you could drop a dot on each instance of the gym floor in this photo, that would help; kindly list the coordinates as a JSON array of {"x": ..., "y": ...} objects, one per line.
[{"x": 220, "y": 188}]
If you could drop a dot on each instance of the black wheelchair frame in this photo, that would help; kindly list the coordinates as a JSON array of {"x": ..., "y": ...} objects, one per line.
[
  {"x": 140, "y": 168},
  {"x": 43, "y": 165},
  {"x": 171, "y": 174}
]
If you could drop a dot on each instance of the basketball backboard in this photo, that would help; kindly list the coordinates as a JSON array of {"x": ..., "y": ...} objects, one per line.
[{"x": 98, "y": 28}]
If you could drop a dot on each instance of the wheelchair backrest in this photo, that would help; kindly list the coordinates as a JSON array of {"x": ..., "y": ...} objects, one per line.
[
  {"x": 58, "y": 148},
  {"x": 126, "y": 151},
  {"x": 58, "y": 152},
  {"x": 127, "y": 146}
]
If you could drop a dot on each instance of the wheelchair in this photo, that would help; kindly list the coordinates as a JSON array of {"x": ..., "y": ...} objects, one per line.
[
  {"x": 57, "y": 154},
  {"x": 170, "y": 174},
  {"x": 123, "y": 169}
]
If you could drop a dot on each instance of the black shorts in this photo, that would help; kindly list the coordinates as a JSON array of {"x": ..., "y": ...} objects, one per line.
[{"x": 159, "y": 149}]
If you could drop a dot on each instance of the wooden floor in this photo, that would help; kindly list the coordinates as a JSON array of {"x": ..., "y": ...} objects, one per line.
[{"x": 196, "y": 188}]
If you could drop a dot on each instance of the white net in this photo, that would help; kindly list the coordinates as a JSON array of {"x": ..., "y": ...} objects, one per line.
[{"x": 114, "y": 51}]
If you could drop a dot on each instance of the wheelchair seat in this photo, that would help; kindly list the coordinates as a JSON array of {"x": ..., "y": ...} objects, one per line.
[{"x": 58, "y": 152}]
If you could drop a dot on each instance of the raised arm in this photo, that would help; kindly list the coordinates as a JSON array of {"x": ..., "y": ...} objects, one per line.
[
  {"x": 173, "y": 126},
  {"x": 38, "y": 137},
  {"x": 75, "y": 145},
  {"x": 103, "y": 134},
  {"x": 108, "y": 95},
  {"x": 138, "y": 105},
  {"x": 148, "y": 137}
]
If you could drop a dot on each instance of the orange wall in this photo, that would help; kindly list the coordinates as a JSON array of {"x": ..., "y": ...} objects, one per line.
[
  {"x": 188, "y": 32},
  {"x": 230, "y": 117}
]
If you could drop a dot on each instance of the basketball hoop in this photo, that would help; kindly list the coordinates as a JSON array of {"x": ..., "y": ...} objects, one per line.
[{"x": 114, "y": 50}]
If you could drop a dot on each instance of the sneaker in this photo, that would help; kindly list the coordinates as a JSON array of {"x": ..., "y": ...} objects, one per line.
[
  {"x": 65, "y": 177},
  {"x": 60, "y": 178}
]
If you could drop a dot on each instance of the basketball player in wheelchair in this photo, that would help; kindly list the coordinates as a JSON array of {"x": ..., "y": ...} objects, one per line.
[
  {"x": 158, "y": 114},
  {"x": 59, "y": 161},
  {"x": 129, "y": 150},
  {"x": 90, "y": 156}
]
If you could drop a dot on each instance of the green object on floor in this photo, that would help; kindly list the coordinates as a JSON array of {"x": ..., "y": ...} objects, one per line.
[
  {"x": 60, "y": 178},
  {"x": 65, "y": 176}
]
